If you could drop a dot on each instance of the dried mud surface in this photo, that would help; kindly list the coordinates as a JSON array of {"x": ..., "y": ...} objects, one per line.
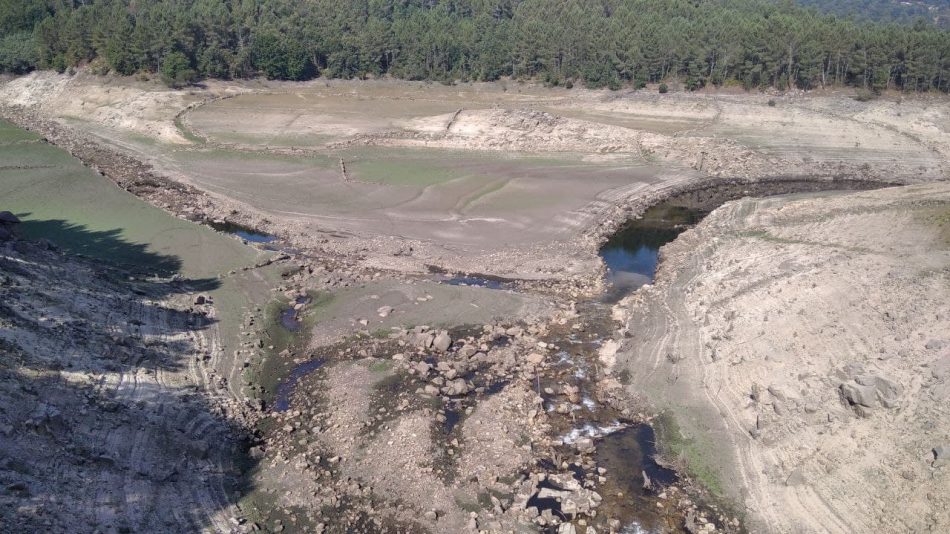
[
  {"x": 790, "y": 355},
  {"x": 404, "y": 175}
]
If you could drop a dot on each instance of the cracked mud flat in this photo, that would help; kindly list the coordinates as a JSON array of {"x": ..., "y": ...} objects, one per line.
[{"x": 450, "y": 371}]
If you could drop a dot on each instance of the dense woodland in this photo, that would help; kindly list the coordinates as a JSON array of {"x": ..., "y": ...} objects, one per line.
[
  {"x": 935, "y": 11},
  {"x": 600, "y": 43}
]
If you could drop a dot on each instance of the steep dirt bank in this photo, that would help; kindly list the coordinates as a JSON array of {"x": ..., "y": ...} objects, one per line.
[
  {"x": 108, "y": 419},
  {"x": 801, "y": 345}
]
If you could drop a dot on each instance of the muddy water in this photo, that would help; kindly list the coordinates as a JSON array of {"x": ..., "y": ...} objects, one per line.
[
  {"x": 285, "y": 388},
  {"x": 290, "y": 317},
  {"x": 622, "y": 453}
]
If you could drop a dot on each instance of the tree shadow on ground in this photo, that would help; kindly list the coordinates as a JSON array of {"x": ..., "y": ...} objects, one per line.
[
  {"x": 109, "y": 247},
  {"x": 105, "y": 423}
]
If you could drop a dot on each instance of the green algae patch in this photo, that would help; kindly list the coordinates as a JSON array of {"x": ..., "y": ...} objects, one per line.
[{"x": 59, "y": 199}]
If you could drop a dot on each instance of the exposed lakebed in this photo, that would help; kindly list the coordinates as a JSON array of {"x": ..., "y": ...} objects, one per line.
[{"x": 590, "y": 444}]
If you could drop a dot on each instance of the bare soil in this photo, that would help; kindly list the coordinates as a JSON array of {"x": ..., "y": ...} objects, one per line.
[
  {"x": 794, "y": 345},
  {"x": 809, "y": 333}
]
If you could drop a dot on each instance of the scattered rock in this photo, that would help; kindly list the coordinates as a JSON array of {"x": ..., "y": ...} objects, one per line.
[
  {"x": 442, "y": 342},
  {"x": 941, "y": 455}
]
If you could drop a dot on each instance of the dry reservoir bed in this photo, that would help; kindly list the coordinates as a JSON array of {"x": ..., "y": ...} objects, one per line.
[{"x": 419, "y": 403}]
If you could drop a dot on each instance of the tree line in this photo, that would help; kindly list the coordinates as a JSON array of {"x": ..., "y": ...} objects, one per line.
[
  {"x": 909, "y": 11},
  {"x": 600, "y": 43}
]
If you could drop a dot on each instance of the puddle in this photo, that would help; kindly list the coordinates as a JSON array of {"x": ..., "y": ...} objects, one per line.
[
  {"x": 632, "y": 253},
  {"x": 470, "y": 279},
  {"x": 285, "y": 388},
  {"x": 290, "y": 318},
  {"x": 247, "y": 234},
  {"x": 452, "y": 419}
]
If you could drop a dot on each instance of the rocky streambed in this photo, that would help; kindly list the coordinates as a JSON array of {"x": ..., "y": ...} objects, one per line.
[
  {"x": 488, "y": 427},
  {"x": 491, "y": 426}
]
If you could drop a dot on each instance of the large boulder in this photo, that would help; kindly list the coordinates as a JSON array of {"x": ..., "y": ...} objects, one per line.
[{"x": 442, "y": 342}]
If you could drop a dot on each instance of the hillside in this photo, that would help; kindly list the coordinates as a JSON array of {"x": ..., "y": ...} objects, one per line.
[
  {"x": 886, "y": 10},
  {"x": 615, "y": 43}
]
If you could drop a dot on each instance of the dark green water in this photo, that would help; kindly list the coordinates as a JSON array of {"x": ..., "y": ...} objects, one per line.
[{"x": 633, "y": 252}]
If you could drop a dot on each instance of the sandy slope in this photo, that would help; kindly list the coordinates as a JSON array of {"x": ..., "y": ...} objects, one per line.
[{"x": 809, "y": 337}]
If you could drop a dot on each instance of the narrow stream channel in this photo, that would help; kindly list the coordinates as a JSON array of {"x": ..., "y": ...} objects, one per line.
[{"x": 247, "y": 234}]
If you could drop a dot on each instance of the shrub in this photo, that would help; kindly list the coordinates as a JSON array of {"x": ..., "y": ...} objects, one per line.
[
  {"x": 664, "y": 89},
  {"x": 177, "y": 71},
  {"x": 865, "y": 95},
  {"x": 771, "y": 102},
  {"x": 99, "y": 67}
]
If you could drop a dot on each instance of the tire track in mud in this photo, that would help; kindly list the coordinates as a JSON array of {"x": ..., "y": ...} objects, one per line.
[{"x": 144, "y": 468}]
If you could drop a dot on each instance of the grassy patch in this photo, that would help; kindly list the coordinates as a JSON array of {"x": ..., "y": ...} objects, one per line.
[
  {"x": 188, "y": 133},
  {"x": 687, "y": 453},
  {"x": 10, "y": 133},
  {"x": 403, "y": 167}
]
